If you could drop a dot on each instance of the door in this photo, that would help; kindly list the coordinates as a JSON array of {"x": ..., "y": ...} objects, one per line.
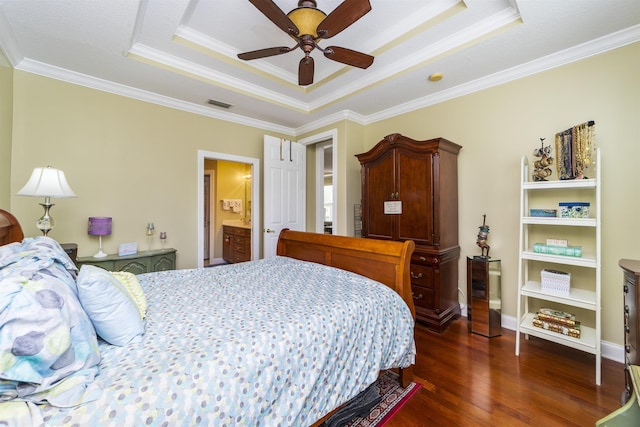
[
  {"x": 284, "y": 190},
  {"x": 415, "y": 190},
  {"x": 378, "y": 188}
]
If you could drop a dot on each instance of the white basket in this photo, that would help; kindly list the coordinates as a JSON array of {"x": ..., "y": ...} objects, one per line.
[{"x": 555, "y": 281}]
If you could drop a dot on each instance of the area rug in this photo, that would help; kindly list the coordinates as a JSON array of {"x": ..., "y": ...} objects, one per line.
[{"x": 393, "y": 398}]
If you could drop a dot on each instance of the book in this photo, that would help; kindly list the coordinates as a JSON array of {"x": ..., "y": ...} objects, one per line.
[
  {"x": 541, "y": 248},
  {"x": 543, "y": 212},
  {"x": 571, "y": 331},
  {"x": 558, "y": 242},
  {"x": 558, "y": 320},
  {"x": 557, "y": 314}
]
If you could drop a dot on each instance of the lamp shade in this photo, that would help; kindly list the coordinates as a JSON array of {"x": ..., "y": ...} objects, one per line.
[
  {"x": 99, "y": 226},
  {"x": 307, "y": 19},
  {"x": 47, "y": 182}
]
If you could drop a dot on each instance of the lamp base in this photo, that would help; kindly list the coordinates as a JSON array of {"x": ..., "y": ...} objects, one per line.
[
  {"x": 100, "y": 254},
  {"x": 46, "y": 222}
]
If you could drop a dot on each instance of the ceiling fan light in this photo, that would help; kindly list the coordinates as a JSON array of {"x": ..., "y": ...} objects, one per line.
[{"x": 307, "y": 20}]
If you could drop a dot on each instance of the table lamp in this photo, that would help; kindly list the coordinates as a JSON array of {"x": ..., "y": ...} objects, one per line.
[
  {"x": 47, "y": 182},
  {"x": 99, "y": 226}
]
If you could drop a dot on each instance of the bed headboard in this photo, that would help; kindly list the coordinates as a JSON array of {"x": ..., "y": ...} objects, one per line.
[
  {"x": 10, "y": 230},
  {"x": 382, "y": 260}
]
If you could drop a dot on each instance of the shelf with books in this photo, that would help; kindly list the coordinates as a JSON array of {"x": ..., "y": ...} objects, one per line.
[
  {"x": 586, "y": 342},
  {"x": 585, "y": 294}
]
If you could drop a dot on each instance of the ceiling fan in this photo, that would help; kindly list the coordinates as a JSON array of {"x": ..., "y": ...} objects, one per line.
[{"x": 308, "y": 25}]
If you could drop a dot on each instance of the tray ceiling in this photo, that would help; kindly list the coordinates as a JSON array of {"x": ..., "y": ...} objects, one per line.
[{"x": 182, "y": 53}]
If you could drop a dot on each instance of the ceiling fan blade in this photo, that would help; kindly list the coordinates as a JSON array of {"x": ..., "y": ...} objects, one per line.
[
  {"x": 348, "y": 56},
  {"x": 276, "y": 15},
  {"x": 342, "y": 16},
  {"x": 305, "y": 71},
  {"x": 263, "y": 53}
]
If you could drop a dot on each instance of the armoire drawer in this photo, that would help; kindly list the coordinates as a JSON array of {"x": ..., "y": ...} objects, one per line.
[
  {"x": 422, "y": 297},
  {"x": 421, "y": 275}
]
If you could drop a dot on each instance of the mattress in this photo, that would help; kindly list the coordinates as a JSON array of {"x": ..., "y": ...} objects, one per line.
[{"x": 272, "y": 342}]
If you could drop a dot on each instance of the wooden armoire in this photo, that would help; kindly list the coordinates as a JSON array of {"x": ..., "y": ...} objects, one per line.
[{"x": 410, "y": 192}]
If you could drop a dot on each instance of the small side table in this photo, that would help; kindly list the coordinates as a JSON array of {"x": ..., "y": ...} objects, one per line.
[
  {"x": 484, "y": 303},
  {"x": 72, "y": 250},
  {"x": 139, "y": 263}
]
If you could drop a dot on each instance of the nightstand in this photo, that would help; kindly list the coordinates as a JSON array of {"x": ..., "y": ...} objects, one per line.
[
  {"x": 139, "y": 263},
  {"x": 72, "y": 250}
]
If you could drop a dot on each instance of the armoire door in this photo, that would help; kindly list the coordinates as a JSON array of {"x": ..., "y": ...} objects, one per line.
[
  {"x": 415, "y": 190},
  {"x": 379, "y": 187}
]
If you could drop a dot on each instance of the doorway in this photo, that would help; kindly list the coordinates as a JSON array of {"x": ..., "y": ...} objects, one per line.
[
  {"x": 207, "y": 217},
  {"x": 324, "y": 167},
  {"x": 251, "y": 202},
  {"x": 326, "y": 144}
]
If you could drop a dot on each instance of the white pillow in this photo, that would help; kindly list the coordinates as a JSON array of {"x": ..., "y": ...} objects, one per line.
[{"x": 108, "y": 304}]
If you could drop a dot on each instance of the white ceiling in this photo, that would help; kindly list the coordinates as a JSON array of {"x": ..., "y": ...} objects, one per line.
[{"x": 181, "y": 53}]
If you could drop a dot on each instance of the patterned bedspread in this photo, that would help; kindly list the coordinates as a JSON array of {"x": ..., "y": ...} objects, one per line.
[{"x": 265, "y": 343}]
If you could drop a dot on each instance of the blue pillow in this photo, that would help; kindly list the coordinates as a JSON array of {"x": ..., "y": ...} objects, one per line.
[{"x": 109, "y": 305}]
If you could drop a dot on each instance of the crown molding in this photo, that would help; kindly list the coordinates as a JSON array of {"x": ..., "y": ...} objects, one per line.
[
  {"x": 582, "y": 51},
  {"x": 331, "y": 119},
  {"x": 50, "y": 71},
  {"x": 585, "y": 50}
]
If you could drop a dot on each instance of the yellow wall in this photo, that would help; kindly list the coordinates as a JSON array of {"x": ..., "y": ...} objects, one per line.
[
  {"x": 133, "y": 161},
  {"x": 230, "y": 184},
  {"x": 496, "y": 127},
  {"x": 6, "y": 115},
  {"x": 137, "y": 162}
]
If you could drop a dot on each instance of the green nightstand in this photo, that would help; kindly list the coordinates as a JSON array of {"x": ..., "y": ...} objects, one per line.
[{"x": 139, "y": 263}]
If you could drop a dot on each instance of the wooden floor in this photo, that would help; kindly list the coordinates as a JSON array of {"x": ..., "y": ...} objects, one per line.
[{"x": 470, "y": 380}]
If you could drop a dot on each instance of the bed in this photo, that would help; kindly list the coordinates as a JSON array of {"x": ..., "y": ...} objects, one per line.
[{"x": 278, "y": 341}]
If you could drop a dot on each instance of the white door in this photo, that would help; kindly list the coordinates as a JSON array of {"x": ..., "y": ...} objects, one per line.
[{"x": 284, "y": 190}]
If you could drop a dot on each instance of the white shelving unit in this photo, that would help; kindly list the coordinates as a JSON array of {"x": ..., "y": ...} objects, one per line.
[{"x": 586, "y": 295}]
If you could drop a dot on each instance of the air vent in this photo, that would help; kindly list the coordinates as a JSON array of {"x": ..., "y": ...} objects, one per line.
[{"x": 219, "y": 103}]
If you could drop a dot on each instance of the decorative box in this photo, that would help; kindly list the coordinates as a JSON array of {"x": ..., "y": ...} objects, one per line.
[
  {"x": 555, "y": 281},
  {"x": 574, "y": 209},
  {"x": 127, "y": 249},
  {"x": 543, "y": 212}
]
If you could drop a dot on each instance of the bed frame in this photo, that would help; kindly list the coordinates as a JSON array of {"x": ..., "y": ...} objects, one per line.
[{"x": 10, "y": 230}]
